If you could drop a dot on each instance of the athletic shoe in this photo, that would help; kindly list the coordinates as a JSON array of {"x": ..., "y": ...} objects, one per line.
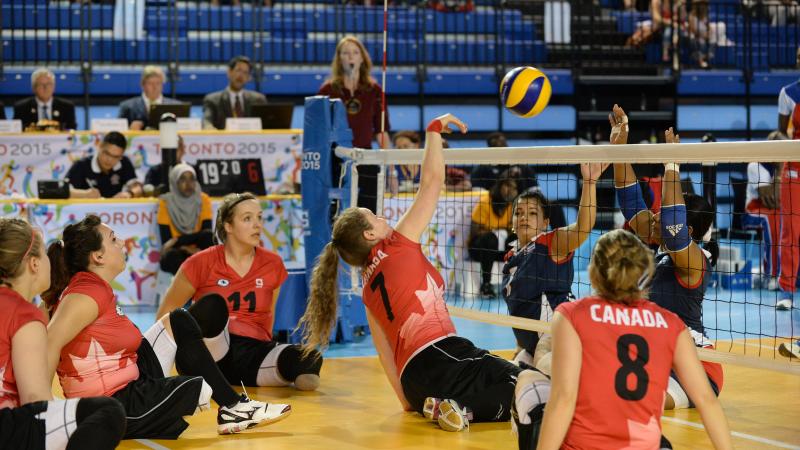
[
  {"x": 784, "y": 304},
  {"x": 431, "y": 408},
  {"x": 452, "y": 417},
  {"x": 790, "y": 350},
  {"x": 772, "y": 284},
  {"x": 248, "y": 414}
]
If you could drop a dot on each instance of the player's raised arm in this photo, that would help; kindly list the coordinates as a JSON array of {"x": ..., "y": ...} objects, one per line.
[
  {"x": 569, "y": 238},
  {"x": 629, "y": 194},
  {"x": 417, "y": 218}
]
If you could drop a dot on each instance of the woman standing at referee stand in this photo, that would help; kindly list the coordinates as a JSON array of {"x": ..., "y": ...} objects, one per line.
[
  {"x": 683, "y": 268},
  {"x": 432, "y": 371},
  {"x": 612, "y": 356},
  {"x": 538, "y": 273},
  {"x": 234, "y": 289},
  {"x": 29, "y": 417}
]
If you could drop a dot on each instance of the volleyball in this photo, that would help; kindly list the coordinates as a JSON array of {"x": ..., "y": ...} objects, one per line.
[{"x": 525, "y": 91}]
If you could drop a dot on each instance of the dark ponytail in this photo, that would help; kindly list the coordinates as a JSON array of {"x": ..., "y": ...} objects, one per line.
[{"x": 71, "y": 255}]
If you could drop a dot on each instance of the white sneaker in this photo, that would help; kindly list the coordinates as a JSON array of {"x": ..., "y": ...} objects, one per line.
[
  {"x": 248, "y": 414},
  {"x": 431, "y": 408},
  {"x": 773, "y": 284},
  {"x": 790, "y": 351},
  {"x": 452, "y": 417},
  {"x": 783, "y": 305}
]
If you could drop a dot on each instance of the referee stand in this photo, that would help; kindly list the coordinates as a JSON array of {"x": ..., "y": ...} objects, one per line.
[{"x": 325, "y": 128}]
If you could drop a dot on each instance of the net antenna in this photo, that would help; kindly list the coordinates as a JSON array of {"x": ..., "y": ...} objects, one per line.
[{"x": 736, "y": 350}]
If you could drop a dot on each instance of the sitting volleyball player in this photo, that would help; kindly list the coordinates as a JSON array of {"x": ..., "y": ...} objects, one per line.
[
  {"x": 682, "y": 266},
  {"x": 234, "y": 289},
  {"x": 612, "y": 356},
  {"x": 29, "y": 416},
  {"x": 432, "y": 371},
  {"x": 99, "y": 351},
  {"x": 538, "y": 273}
]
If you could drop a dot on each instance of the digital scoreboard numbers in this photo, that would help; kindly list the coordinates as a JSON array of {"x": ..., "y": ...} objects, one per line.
[{"x": 220, "y": 177}]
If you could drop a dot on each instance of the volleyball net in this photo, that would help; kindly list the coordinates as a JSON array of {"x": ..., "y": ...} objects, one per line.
[{"x": 472, "y": 230}]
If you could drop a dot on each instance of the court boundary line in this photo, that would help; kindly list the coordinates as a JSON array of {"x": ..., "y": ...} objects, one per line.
[
  {"x": 151, "y": 444},
  {"x": 750, "y": 437}
]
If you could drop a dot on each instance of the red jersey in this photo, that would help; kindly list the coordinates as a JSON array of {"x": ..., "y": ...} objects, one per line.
[
  {"x": 405, "y": 294},
  {"x": 626, "y": 362},
  {"x": 101, "y": 359},
  {"x": 249, "y": 297},
  {"x": 17, "y": 312}
]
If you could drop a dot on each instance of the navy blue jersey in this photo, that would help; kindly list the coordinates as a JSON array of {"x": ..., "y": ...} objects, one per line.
[
  {"x": 527, "y": 275},
  {"x": 668, "y": 291}
]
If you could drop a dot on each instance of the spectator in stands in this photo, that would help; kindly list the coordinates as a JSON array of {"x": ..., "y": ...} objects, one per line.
[
  {"x": 456, "y": 178},
  {"x": 404, "y": 178},
  {"x": 137, "y": 109},
  {"x": 234, "y": 100},
  {"x": 491, "y": 222},
  {"x": 452, "y": 5},
  {"x": 350, "y": 81},
  {"x": 43, "y": 105},
  {"x": 783, "y": 13},
  {"x": 761, "y": 211},
  {"x": 184, "y": 219},
  {"x": 103, "y": 174},
  {"x": 485, "y": 176},
  {"x": 153, "y": 176}
]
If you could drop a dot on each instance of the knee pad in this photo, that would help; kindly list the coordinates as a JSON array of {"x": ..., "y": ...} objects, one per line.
[
  {"x": 679, "y": 397},
  {"x": 163, "y": 344},
  {"x": 219, "y": 345},
  {"x": 211, "y": 314},
  {"x": 59, "y": 422},
  {"x": 285, "y": 364},
  {"x": 106, "y": 412},
  {"x": 529, "y": 398},
  {"x": 184, "y": 327}
]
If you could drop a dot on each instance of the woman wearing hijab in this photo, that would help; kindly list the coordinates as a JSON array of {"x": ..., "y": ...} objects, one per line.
[{"x": 184, "y": 218}]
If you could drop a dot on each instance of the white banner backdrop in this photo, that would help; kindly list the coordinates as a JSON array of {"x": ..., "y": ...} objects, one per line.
[
  {"x": 26, "y": 158},
  {"x": 134, "y": 221},
  {"x": 444, "y": 241}
]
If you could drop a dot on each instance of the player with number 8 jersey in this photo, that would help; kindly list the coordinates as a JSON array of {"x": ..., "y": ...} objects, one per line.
[{"x": 234, "y": 288}]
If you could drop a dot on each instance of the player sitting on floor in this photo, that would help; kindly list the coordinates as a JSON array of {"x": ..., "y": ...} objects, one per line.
[
  {"x": 99, "y": 351},
  {"x": 683, "y": 268},
  {"x": 234, "y": 289},
  {"x": 538, "y": 273},
  {"x": 433, "y": 371},
  {"x": 612, "y": 356},
  {"x": 29, "y": 417}
]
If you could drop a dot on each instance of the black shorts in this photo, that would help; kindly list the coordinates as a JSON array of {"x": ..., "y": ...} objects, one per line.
[
  {"x": 244, "y": 358},
  {"x": 454, "y": 368},
  {"x": 155, "y": 405},
  {"x": 19, "y": 427}
]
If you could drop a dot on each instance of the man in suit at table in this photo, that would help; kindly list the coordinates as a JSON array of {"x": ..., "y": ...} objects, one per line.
[
  {"x": 137, "y": 109},
  {"x": 43, "y": 105},
  {"x": 234, "y": 100}
]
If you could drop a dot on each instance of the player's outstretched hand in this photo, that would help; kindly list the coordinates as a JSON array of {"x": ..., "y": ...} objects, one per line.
[
  {"x": 446, "y": 120},
  {"x": 671, "y": 137},
  {"x": 591, "y": 171},
  {"x": 619, "y": 125}
]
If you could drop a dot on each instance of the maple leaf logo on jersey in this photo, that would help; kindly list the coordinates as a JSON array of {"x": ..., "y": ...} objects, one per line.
[
  {"x": 97, "y": 360},
  {"x": 675, "y": 229},
  {"x": 432, "y": 301},
  {"x": 642, "y": 435}
]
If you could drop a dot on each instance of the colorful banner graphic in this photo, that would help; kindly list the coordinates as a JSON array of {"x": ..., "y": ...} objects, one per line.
[
  {"x": 28, "y": 157},
  {"x": 135, "y": 223},
  {"x": 444, "y": 241}
]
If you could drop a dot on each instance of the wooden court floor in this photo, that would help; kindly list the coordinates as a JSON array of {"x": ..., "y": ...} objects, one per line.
[{"x": 355, "y": 408}]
